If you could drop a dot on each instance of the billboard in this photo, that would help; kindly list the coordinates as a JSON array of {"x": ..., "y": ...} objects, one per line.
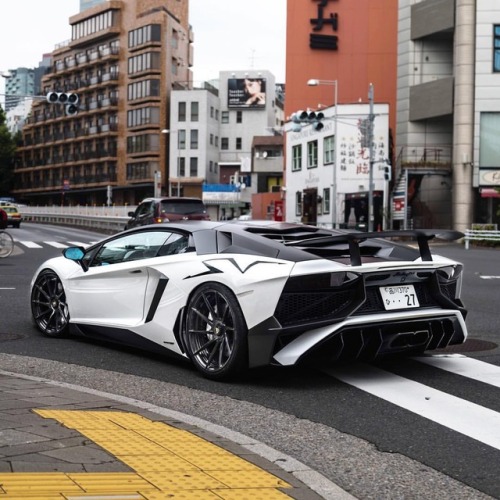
[{"x": 246, "y": 93}]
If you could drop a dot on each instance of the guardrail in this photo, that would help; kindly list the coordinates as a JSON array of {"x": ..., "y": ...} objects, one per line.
[
  {"x": 104, "y": 219},
  {"x": 480, "y": 235}
]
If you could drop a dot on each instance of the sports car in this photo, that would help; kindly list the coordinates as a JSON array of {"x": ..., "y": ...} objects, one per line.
[{"x": 230, "y": 296}]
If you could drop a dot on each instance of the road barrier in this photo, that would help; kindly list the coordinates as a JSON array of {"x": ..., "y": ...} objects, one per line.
[
  {"x": 107, "y": 220},
  {"x": 481, "y": 235}
]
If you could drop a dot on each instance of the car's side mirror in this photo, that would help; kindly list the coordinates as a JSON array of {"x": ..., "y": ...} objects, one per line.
[
  {"x": 75, "y": 254},
  {"x": 131, "y": 214}
]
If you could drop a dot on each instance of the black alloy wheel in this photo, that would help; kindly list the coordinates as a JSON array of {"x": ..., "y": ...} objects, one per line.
[
  {"x": 215, "y": 333},
  {"x": 48, "y": 305}
]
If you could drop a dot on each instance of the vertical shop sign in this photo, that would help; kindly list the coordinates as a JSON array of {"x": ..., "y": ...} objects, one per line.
[{"x": 324, "y": 20}]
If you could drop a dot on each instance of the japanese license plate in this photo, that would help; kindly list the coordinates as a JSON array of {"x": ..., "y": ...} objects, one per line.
[{"x": 399, "y": 297}]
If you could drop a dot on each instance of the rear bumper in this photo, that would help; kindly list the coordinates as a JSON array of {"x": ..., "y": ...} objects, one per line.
[{"x": 370, "y": 337}]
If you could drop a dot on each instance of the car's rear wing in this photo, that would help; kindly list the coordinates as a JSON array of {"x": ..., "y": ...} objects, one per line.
[{"x": 353, "y": 239}]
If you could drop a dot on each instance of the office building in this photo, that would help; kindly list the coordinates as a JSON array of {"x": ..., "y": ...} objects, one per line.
[
  {"x": 121, "y": 63},
  {"x": 19, "y": 85}
]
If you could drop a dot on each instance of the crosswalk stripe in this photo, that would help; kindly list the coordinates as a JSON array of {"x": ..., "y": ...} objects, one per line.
[
  {"x": 30, "y": 244},
  {"x": 467, "y": 367},
  {"x": 56, "y": 244},
  {"x": 78, "y": 244},
  {"x": 457, "y": 414}
]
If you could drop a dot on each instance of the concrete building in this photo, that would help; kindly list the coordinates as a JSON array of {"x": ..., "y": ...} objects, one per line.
[
  {"x": 328, "y": 182},
  {"x": 222, "y": 143},
  {"x": 121, "y": 62},
  {"x": 346, "y": 47},
  {"x": 448, "y": 112},
  {"x": 19, "y": 84}
]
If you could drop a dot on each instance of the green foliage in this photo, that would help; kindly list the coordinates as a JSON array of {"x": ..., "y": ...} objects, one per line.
[{"x": 7, "y": 155}]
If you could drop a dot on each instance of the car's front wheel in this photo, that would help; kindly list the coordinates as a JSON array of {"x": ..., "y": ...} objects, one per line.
[
  {"x": 215, "y": 334},
  {"x": 48, "y": 305}
]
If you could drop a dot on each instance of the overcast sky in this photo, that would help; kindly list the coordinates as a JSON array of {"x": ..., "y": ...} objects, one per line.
[{"x": 229, "y": 34}]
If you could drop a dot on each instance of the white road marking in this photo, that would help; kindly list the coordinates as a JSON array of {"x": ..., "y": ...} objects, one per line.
[
  {"x": 78, "y": 244},
  {"x": 56, "y": 244},
  {"x": 490, "y": 277},
  {"x": 467, "y": 367},
  {"x": 30, "y": 244},
  {"x": 457, "y": 414}
]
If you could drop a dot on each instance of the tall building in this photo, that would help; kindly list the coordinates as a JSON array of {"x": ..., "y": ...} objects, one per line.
[
  {"x": 19, "y": 85},
  {"x": 121, "y": 63},
  {"x": 222, "y": 142},
  {"x": 449, "y": 112},
  {"x": 338, "y": 53}
]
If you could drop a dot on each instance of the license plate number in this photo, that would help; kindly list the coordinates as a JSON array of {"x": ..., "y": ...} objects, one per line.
[{"x": 399, "y": 297}]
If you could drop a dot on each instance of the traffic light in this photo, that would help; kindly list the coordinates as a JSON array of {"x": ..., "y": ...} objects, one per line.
[
  {"x": 388, "y": 172},
  {"x": 302, "y": 118},
  {"x": 315, "y": 119},
  {"x": 70, "y": 100}
]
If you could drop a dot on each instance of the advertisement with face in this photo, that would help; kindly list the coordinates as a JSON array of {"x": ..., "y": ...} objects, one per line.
[{"x": 246, "y": 93}]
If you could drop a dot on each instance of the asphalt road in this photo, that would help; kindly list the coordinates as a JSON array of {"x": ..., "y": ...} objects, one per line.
[{"x": 352, "y": 424}]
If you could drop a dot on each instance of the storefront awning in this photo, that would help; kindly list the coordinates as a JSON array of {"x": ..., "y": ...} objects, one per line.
[{"x": 490, "y": 193}]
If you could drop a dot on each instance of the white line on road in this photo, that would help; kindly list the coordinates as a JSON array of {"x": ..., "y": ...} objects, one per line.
[
  {"x": 490, "y": 277},
  {"x": 467, "y": 367},
  {"x": 457, "y": 414},
  {"x": 56, "y": 244},
  {"x": 29, "y": 244}
]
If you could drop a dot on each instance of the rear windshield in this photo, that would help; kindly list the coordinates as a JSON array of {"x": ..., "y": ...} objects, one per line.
[{"x": 183, "y": 207}]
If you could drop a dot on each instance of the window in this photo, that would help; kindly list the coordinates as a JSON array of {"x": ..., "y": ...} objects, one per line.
[
  {"x": 326, "y": 200},
  {"x": 211, "y": 139},
  {"x": 182, "y": 112},
  {"x": 181, "y": 139},
  {"x": 194, "y": 139},
  {"x": 224, "y": 117},
  {"x": 312, "y": 154},
  {"x": 211, "y": 111},
  {"x": 182, "y": 167},
  {"x": 193, "y": 167},
  {"x": 298, "y": 203},
  {"x": 329, "y": 149},
  {"x": 297, "y": 157},
  {"x": 224, "y": 143},
  {"x": 239, "y": 117},
  {"x": 194, "y": 111},
  {"x": 238, "y": 143},
  {"x": 496, "y": 48},
  {"x": 130, "y": 247}
]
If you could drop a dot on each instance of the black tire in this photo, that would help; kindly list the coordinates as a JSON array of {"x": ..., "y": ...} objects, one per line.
[
  {"x": 215, "y": 333},
  {"x": 48, "y": 305}
]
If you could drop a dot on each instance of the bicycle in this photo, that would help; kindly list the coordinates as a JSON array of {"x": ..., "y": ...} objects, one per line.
[{"x": 6, "y": 244}]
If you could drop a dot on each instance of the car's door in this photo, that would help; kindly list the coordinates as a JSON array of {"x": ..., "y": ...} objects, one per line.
[{"x": 112, "y": 291}]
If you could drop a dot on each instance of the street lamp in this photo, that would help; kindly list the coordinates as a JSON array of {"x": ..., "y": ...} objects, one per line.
[{"x": 314, "y": 82}]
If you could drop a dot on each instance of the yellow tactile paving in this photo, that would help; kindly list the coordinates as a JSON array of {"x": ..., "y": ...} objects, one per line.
[{"x": 167, "y": 463}]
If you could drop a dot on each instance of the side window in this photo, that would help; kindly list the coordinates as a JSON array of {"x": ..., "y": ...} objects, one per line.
[
  {"x": 144, "y": 209},
  {"x": 177, "y": 243},
  {"x": 143, "y": 245}
]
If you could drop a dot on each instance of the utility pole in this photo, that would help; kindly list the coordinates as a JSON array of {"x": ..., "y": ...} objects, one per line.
[{"x": 371, "y": 119}]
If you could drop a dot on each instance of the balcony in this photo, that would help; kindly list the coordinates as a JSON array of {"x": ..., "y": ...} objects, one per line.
[
  {"x": 433, "y": 18},
  {"x": 432, "y": 99}
]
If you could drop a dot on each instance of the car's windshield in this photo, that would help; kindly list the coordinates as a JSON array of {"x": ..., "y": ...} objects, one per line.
[{"x": 182, "y": 207}]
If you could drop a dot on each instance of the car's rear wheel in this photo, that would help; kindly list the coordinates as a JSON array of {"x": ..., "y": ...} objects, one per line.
[
  {"x": 48, "y": 305},
  {"x": 215, "y": 334}
]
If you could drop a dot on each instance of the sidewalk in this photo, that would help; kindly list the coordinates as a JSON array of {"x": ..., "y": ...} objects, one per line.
[{"x": 61, "y": 443}]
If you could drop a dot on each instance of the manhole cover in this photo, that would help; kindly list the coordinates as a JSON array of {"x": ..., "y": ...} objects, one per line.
[
  {"x": 470, "y": 345},
  {"x": 5, "y": 337}
]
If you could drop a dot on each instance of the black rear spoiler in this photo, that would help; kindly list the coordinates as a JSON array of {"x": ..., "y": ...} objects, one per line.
[{"x": 423, "y": 236}]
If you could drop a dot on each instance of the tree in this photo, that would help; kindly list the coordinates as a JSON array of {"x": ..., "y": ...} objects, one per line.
[{"x": 7, "y": 155}]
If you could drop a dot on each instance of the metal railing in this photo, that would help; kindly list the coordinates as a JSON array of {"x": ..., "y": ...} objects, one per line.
[
  {"x": 107, "y": 219},
  {"x": 480, "y": 235}
]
